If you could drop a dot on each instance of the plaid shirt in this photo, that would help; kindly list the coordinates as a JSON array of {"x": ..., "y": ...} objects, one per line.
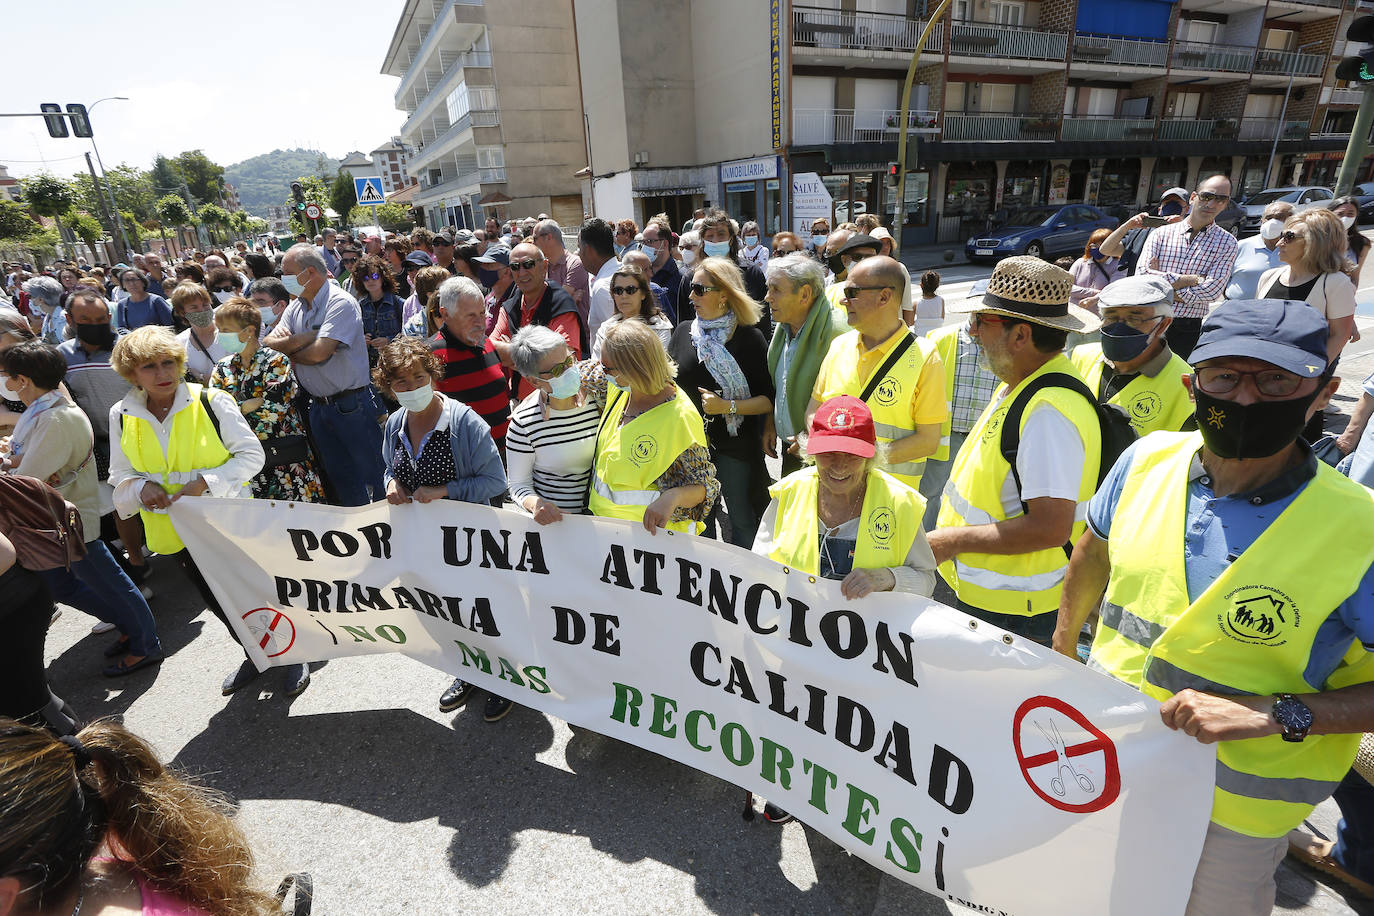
[
  {"x": 973, "y": 386},
  {"x": 1210, "y": 255}
]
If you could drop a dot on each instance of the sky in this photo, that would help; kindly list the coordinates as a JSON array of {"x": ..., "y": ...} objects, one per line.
[{"x": 234, "y": 80}]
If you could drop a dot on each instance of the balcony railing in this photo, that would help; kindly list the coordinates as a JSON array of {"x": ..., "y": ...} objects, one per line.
[
  {"x": 1197, "y": 55},
  {"x": 1264, "y": 129},
  {"x": 981, "y": 39},
  {"x": 1079, "y": 127},
  {"x": 1288, "y": 63},
  {"x": 1331, "y": 134},
  {"x": 1334, "y": 96},
  {"x": 818, "y": 126},
  {"x": 1186, "y": 129},
  {"x": 1018, "y": 127},
  {"x": 1103, "y": 49},
  {"x": 814, "y": 27},
  {"x": 492, "y": 176}
]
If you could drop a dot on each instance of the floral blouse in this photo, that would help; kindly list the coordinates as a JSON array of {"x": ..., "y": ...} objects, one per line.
[{"x": 268, "y": 376}]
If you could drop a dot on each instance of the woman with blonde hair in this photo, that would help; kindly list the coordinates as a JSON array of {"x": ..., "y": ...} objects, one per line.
[
  {"x": 1312, "y": 249},
  {"x": 171, "y": 846},
  {"x": 651, "y": 463},
  {"x": 722, "y": 360}
]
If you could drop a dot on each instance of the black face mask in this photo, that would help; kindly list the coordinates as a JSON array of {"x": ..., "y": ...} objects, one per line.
[
  {"x": 1258, "y": 430},
  {"x": 97, "y": 335}
]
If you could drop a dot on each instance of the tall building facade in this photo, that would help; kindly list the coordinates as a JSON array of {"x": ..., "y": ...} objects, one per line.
[
  {"x": 390, "y": 161},
  {"x": 493, "y": 118}
]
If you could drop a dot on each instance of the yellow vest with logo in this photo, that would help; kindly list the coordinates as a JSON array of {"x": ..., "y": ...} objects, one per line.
[
  {"x": 1250, "y": 633},
  {"x": 192, "y": 445},
  {"x": 890, "y": 402},
  {"x": 630, "y": 458},
  {"x": 1024, "y": 583},
  {"x": 946, "y": 343},
  {"x": 1153, "y": 404},
  {"x": 889, "y": 522}
]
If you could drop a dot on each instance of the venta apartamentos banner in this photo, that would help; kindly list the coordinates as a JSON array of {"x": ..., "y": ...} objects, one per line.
[{"x": 975, "y": 765}]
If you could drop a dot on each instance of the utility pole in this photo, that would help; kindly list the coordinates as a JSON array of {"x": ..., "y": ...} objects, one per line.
[
  {"x": 1358, "y": 70},
  {"x": 903, "y": 121},
  {"x": 1359, "y": 142},
  {"x": 103, "y": 208}
]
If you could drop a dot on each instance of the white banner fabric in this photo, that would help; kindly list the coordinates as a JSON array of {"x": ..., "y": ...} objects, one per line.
[{"x": 978, "y": 766}]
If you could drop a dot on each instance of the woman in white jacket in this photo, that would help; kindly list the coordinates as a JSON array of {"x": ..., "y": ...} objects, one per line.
[{"x": 1312, "y": 249}]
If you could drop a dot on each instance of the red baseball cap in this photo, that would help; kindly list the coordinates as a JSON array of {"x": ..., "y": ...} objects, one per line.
[{"x": 843, "y": 424}]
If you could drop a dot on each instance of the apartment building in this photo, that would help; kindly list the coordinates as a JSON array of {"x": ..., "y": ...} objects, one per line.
[
  {"x": 493, "y": 118},
  {"x": 390, "y": 160},
  {"x": 1020, "y": 102}
]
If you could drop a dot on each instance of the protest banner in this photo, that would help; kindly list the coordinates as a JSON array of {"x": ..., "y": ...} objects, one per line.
[{"x": 973, "y": 764}]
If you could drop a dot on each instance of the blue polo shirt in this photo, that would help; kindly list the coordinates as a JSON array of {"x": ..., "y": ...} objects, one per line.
[{"x": 1220, "y": 529}]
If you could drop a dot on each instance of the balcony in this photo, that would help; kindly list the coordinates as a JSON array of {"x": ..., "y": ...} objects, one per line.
[
  {"x": 1088, "y": 127},
  {"x": 1197, "y": 55},
  {"x": 1264, "y": 129},
  {"x": 1187, "y": 129},
  {"x": 1288, "y": 63},
  {"x": 983, "y": 39},
  {"x": 1334, "y": 96},
  {"x": 1000, "y": 127},
  {"x": 813, "y": 27},
  {"x": 822, "y": 126},
  {"x": 491, "y": 176},
  {"x": 436, "y": 93},
  {"x": 1131, "y": 52},
  {"x": 1331, "y": 134}
]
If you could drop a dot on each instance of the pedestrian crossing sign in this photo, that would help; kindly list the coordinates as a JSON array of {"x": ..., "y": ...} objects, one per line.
[{"x": 369, "y": 191}]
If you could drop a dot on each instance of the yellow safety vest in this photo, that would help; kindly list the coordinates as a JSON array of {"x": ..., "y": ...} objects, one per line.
[
  {"x": 1249, "y": 634},
  {"x": 1153, "y": 404},
  {"x": 193, "y": 444},
  {"x": 630, "y": 458},
  {"x": 889, "y": 522},
  {"x": 1025, "y": 583},
  {"x": 890, "y": 402},
  {"x": 946, "y": 342}
]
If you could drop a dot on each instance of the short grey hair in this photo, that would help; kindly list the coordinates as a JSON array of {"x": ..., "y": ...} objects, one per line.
[
  {"x": 531, "y": 344},
  {"x": 689, "y": 239},
  {"x": 305, "y": 255},
  {"x": 44, "y": 288},
  {"x": 455, "y": 288},
  {"x": 800, "y": 270},
  {"x": 549, "y": 227}
]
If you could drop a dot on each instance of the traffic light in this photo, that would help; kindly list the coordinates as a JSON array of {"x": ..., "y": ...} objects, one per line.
[
  {"x": 892, "y": 174},
  {"x": 52, "y": 114},
  {"x": 298, "y": 193},
  {"x": 81, "y": 124},
  {"x": 1359, "y": 69}
]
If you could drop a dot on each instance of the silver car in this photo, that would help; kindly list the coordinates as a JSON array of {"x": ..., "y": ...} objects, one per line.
[{"x": 1302, "y": 198}]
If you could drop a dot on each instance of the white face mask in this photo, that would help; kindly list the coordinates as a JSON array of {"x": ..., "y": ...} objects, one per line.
[
  {"x": 417, "y": 400},
  {"x": 222, "y": 297},
  {"x": 1347, "y": 221},
  {"x": 6, "y": 391},
  {"x": 1271, "y": 229},
  {"x": 688, "y": 256}
]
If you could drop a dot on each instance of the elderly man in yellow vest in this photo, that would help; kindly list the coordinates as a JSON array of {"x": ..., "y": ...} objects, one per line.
[
  {"x": 1133, "y": 366},
  {"x": 1236, "y": 569},
  {"x": 897, "y": 374},
  {"x": 1003, "y": 530}
]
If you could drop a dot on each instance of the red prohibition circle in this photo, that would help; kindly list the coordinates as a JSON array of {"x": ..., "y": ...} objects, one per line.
[
  {"x": 1111, "y": 787},
  {"x": 277, "y": 627}
]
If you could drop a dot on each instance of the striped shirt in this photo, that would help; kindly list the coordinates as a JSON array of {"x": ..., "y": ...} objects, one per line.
[
  {"x": 474, "y": 376},
  {"x": 551, "y": 457},
  {"x": 1210, "y": 254}
]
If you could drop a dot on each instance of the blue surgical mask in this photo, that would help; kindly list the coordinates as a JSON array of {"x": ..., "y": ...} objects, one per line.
[
  {"x": 229, "y": 342},
  {"x": 616, "y": 382},
  {"x": 1122, "y": 343},
  {"x": 293, "y": 286},
  {"x": 269, "y": 317},
  {"x": 1094, "y": 252},
  {"x": 566, "y": 384},
  {"x": 818, "y": 241},
  {"x": 1171, "y": 207},
  {"x": 751, "y": 240},
  {"x": 619, "y": 250},
  {"x": 716, "y": 249}
]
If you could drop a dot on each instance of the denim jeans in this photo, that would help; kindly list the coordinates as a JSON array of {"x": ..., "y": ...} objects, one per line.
[
  {"x": 744, "y": 491},
  {"x": 936, "y": 476},
  {"x": 98, "y": 586},
  {"x": 1355, "y": 833},
  {"x": 349, "y": 440}
]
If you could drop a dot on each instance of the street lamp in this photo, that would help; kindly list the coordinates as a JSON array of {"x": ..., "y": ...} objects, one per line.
[
  {"x": 1283, "y": 115},
  {"x": 114, "y": 208}
]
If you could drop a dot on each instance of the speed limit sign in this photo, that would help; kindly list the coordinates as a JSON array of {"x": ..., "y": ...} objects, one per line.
[{"x": 312, "y": 211}]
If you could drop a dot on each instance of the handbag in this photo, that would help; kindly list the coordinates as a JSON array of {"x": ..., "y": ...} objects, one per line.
[
  {"x": 281, "y": 450},
  {"x": 44, "y": 528}
]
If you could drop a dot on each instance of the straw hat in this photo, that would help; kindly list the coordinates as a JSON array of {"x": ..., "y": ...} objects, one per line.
[{"x": 1034, "y": 290}]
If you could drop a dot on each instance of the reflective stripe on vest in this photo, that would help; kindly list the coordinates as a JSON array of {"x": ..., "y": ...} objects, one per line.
[
  {"x": 1025, "y": 584},
  {"x": 624, "y": 497},
  {"x": 1250, "y": 633}
]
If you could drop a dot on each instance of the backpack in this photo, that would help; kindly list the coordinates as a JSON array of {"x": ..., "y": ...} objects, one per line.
[
  {"x": 1113, "y": 423},
  {"x": 44, "y": 528}
]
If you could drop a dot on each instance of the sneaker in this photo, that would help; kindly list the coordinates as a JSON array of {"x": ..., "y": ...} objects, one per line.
[
  {"x": 456, "y": 695},
  {"x": 775, "y": 815},
  {"x": 295, "y": 678},
  {"x": 239, "y": 678},
  {"x": 496, "y": 708},
  {"x": 101, "y": 626}
]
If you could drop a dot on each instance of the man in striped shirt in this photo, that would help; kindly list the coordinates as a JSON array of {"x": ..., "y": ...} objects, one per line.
[
  {"x": 1196, "y": 257},
  {"x": 472, "y": 368}
]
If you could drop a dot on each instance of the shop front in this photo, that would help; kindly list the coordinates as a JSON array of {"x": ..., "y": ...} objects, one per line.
[
  {"x": 1117, "y": 189},
  {"x": 753, "y": 191},
  {"x": 1170, "y": 172}
]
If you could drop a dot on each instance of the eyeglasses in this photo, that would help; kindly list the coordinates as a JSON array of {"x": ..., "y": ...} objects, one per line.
[
  {"x": 1288, "y": 235},
  {"x": 852, "y": 292},
  {"x": 557, "y": 370},
  {"x": 1208, "y": 197},
  {"x": 978, "y": 318},
  {"x": 1273, "y": 383},
  {"x": 701, "y": 289},
  {"x": 222, "y": 289},
  {"x": 656, "y": 242},
  {"x": 528, "y": 264},
  {"x": 372, "y": 276},
  {"x": 1139, "y": 322},
  {"x": 853, "y": 256},
  {"x": 624, "y": 290}
]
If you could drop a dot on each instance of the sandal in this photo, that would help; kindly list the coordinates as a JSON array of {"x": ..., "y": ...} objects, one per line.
[{"x": 1315, "y": 852}]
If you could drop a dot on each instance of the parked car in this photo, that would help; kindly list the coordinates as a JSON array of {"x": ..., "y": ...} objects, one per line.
[
  {"x": 1365, "y": 192},
  {"x": 1044, "y": 232},
  {"x": 1302, "y": 198}
]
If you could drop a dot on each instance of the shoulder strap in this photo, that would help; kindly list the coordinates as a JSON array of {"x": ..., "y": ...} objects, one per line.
[
  {"x": 205, "y": 403},
  {"x": 887, "y": 365}
]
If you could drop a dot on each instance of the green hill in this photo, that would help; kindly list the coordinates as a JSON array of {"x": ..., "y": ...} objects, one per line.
[{"x": 265, "y": 181}]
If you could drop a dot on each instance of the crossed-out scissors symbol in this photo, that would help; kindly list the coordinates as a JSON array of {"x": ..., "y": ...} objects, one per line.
[{"x": 1056, "y": 741}]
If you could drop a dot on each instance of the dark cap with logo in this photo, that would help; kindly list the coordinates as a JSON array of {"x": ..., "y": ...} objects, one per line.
[{"x": 1290, "y": 334}]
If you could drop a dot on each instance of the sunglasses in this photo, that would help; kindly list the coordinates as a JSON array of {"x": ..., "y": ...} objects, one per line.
[
  {"x": 852, "y": 292},
  {"x": 222, "y": 289},
  {"x": 557, "y": 370},
  {"x": 372, "y": 276},
  {"x": 1288, "y": 235},
  {"x": 624, "y": 290},
  {"x": 528, "y": 264},
  {"x": 1208, "y": 197},
  {"x": 1274, "y": 383},
  {"x": 700, "y": 289}
]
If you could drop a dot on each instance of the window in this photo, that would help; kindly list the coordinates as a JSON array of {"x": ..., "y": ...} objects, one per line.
[
  {"x": 1185, "y": 104},
  {"x": 1278, "y": 40},
  {"x": 491, "y": 157},
  {"x": 1007, "y": 12},
  {"x": 458, "y": 103},
  {"x": 963, "y": 10},
  {"x": 1199, "y": 30},
  {"x": 956, "y": 95},
  {"x": 997, "y": 97}
]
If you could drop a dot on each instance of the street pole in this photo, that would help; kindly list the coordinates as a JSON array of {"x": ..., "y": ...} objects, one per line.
[
  {"x": 103, "y": 207},
  {"x": 114, "y": 207},
  {"x": 903, "y": 122},
  {"x": 1355, "y": 149}
]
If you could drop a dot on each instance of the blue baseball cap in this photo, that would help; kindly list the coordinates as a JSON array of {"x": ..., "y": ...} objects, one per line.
[
  {"x": 1290, "y": 334},
  {"x": 495, "y": 254}
]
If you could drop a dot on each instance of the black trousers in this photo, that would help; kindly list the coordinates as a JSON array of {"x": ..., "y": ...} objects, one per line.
[
  {"x": 1182, "y": 335},
  {"x": 193, "y": 573},
  {"x": 26, "y": 609}
]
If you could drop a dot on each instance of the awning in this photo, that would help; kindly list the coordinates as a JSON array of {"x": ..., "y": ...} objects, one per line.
[{"x": 494, "y": 199}]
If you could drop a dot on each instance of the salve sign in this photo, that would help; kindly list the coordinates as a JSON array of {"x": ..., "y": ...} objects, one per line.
[{"x": 977, "y": 766}]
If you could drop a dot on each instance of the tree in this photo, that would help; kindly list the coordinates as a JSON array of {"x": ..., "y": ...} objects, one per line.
[
  {"x": 172, "y": 211},
  {"x": 342, "y": 197},
  {"x": 15, "y": 222},
  {"x": 131, "y": 227},
  {"x": 238, "y": 221},
  {"x": 203, "y": 176},
  {"x": 396, "y": 217},
  {"x": 50, "y": 196},
  {"x": 213, "y": 216},
  {"x": 88, "y": 229},
  {"x": 158, "y": 226},
  {"x": 164, "y": 177},
  {"x": 132, "y": 189}
]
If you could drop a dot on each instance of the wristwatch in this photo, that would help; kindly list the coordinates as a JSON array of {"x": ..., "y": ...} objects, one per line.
[
  {"x": 1292, "y": 715},
  {"x": 734, "y": 408}
]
